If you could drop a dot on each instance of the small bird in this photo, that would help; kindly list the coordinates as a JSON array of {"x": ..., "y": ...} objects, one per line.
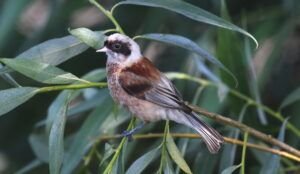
[{"x": 135, "y": 83}]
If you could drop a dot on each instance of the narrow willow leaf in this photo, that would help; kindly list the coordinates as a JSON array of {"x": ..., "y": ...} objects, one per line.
[
  {"x": 188, "y": 44},
  {"x": 39, "y": 146},
  {"x": 229, "y": 150},
  {"x": 53, "y": 52},
  {"x": 291, "y": 98},
  {"x": 142, "y": 162},
  {"x": 252, "y": 81},
  {"x": 55, "y": 107},
  {"x": 222, "y": 91},
  {"x": 119, "y": 165},
  {"x": 56, "y": 137},
  {"x": 89, "y": 37},
  {"x": 41, "y": 72},
  {"x": 183, "y": 142},
  {"x": 11, "y": 98},
  {"x": 175, "y": 155},
  {"x": 95, "y": 75},
  {"x": 272, "y": 164},
  {"x": 108, "y": 152},
  {"x": 7, "y": 77},
  {"x": 231, "y": 169},
  {"x": 167, "y": 168},
  {"x": 203, "y": 68},
  {"x": 189, "y": 11},
  {"x": 84, "y": 138}
]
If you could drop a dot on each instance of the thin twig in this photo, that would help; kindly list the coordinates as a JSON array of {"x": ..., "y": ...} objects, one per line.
[
  {"x": 72, "y": 86},
  {"x": 222, "y": 119},
  {"x": 245, "y": 128},
  {"x": 242, "y": 170},
  {"x": 250, "y": 101},
  {"x": 109, "y": 15},
  {"x": 191, "y": 135}
]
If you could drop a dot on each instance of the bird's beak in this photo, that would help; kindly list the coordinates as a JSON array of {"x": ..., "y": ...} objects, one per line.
[{"x": 104, "y": 49}]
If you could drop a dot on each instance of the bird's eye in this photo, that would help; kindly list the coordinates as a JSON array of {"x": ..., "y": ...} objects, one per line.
[{"x": 116, "y": 46}]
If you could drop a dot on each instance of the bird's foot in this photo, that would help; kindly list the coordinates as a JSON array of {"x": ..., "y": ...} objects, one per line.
[{"x": 129, "y": 133}]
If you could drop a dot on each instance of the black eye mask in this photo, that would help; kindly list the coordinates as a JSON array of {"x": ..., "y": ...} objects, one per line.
[{"x": 118, "y": 47}]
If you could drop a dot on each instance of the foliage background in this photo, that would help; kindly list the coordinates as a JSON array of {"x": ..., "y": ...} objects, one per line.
[{"x": 25, "y": 23}]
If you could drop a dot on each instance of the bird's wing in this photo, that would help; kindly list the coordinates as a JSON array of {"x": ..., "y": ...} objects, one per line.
[{"x": 144, "y": 81}]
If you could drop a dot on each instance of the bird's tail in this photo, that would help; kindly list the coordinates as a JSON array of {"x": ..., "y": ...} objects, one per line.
[{"x": 211, "y": 137}]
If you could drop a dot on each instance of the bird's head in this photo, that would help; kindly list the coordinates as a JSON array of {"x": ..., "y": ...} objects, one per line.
[{"x": 121, "y": 49}]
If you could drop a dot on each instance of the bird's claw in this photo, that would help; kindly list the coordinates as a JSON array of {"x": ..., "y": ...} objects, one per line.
[{"x": 128, "y": 134}]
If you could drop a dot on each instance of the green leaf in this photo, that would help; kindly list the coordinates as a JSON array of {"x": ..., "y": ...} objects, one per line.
[
  {"x": 41, "y": 72},
  {"x": 55, "y": 106},
  {"x": 291, "y": 98},
  {"x": 11, "y": 98},
  {"x": 229, "y": 150},
  {"x": 53, "y": 52},
  {"x": 189, "y": 11},
  {"x": 119, "y": 165},
  {"x": 272, "y": 164},
  {"x": 231, "y": 169},
  {"x": 142, "y": 162},
  {"x": 89, "y": 37},
  {"x": 39, "y": 146},
  {"x": 84, "y": 138},
  {"x": 56, "y": 137},
  {"x": 108, "y": 152},
  {"x": 176, "y": 155},
  {"x": 8, "y": 78},
  {"x": 253, "y": 83},
  {"x": 95, "y": 75},
  {"x": 167, "y": 168},
  {"x": 188, "y": 44}
]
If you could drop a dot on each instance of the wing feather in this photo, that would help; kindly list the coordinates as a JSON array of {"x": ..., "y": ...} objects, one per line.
[{"x": 153, "y": 87}]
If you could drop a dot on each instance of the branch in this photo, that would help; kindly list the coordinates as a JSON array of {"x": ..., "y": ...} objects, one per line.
[
  {"x": 250, "y": 101},
  {"x": 73, "y": 86},
  {"x": 245, "y": 128},
  {"x": 109, "y": 15},
  {"x": 224, "y": 120},
  {"x": 193, "y": 136}
]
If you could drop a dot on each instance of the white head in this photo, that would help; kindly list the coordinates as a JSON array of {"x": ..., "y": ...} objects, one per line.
[{"x": 121, "y": 49}]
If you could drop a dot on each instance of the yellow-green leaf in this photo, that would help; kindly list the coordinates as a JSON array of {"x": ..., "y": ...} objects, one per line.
[{"x": 176, "y": 155}]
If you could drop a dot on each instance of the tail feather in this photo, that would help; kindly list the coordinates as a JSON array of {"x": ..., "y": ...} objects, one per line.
[{"x": 211, "y": 137}]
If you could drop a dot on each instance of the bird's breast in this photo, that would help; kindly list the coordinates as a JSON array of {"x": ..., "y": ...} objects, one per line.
[{"x": 143, "y": 109}]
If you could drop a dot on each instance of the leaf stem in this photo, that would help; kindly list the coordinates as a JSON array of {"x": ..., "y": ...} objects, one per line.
[
  {"x": 242, "y": 171},
  {"x": 75, "y": 86},
  {"x": 109, "y": 167},
  {"x": 163, "y": 148},
  {"x": 110, "y": 30},
  {"x": 109, "y": 15}
]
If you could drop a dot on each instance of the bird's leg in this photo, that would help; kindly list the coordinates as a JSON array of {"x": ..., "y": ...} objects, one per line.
[{"x": 129, "y": 133}]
